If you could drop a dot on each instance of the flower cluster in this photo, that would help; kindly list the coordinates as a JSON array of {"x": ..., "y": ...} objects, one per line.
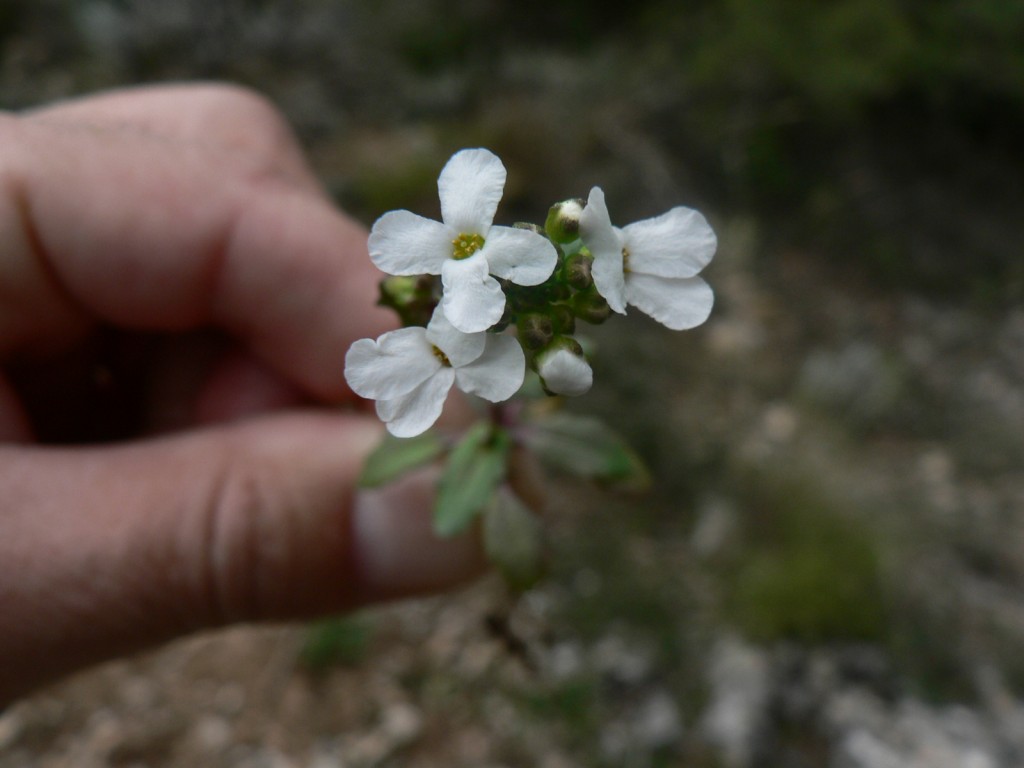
[{"x": 480, "y": 302}]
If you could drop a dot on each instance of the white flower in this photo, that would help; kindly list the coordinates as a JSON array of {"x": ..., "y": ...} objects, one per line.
[
  {"x": 651, "y": 264},
  {"x": 464, "y": 248},
  {"x": 564, "y": 373},
  {"x": 410, "y": 371}
]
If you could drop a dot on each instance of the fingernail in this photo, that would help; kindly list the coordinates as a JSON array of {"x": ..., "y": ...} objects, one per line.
[{"x": 397, "y": 551}]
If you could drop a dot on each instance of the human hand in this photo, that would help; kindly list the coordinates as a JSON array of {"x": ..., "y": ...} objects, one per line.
[{"x": 176, "y": 299}]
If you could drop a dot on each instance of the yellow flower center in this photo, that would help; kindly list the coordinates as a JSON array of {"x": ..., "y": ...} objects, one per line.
[
  {"x": 465, "y": 246},
  {"x": 442, "y": 357},
  {"x": 625, "y": 260}
]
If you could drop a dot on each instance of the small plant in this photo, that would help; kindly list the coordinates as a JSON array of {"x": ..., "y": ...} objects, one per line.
[
  {"x": 481, "y": 305},
  {"x": 809, "y": 573},
  {"x": 342, "y": 640}
]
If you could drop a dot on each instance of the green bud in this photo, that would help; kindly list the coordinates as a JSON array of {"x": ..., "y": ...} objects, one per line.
[
  {"x": 562, "y": 318},
  {"x": 577, "y": 271},
  {"x": 399, "y": 292},
  {"x": 412, "y": 297},
  {"x": 562, "y": 368},
  {"x": 591, "y": 307},
  {"x": 563, "y": 222},
  {"x": 535, "y": 330},
  {"x": 568, "y": 343},
  {"x": 558, "y": 292}
]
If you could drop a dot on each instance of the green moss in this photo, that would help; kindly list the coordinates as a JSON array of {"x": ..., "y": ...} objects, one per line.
[
  {"x": 808, "y": 574},
  {"x": 573, "y": 703},
  {"x": 341, "y": 641}
]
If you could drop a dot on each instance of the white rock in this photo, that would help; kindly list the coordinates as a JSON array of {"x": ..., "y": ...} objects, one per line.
[
  {"x": 740, "y": 686},
  {"x": 657, "y": 722},
  {"x": 861, "y": 749}
]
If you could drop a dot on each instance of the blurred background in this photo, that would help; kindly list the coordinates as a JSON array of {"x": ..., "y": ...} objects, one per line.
[{"x": 828, "y": 570}]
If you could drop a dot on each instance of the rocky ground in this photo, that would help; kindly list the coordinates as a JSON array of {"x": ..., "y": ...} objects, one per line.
[{"x": 828, "y": 571}]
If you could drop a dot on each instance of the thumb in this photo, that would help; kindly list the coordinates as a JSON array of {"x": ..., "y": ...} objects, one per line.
[{"x": 109, "y": 550}]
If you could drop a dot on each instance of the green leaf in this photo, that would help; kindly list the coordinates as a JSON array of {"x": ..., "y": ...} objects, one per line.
[
  {"x": 514, "y": 540},
  {"x": 342, "y": 640},
  {"x": 396, "y": 455},
  {"x": 586, "y": 447},
  {"x": 474, "y": 469}
]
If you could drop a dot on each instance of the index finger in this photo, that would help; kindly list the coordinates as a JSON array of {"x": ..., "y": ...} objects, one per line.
[{"x": 111, "y": 225}]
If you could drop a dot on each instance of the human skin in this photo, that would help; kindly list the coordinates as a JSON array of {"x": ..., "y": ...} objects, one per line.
[{"x": 178, "y": 448}]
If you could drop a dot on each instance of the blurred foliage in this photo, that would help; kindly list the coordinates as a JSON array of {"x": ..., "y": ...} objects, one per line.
[
  {"x": 338, "y": 641},
  {"x": 12, "y": 17},
  {"x": 383, "y": 178},
  {"x": 841, "y": 55},
  {"x": 614, "y": 587},
  {"x": 631, "y": 588},
  {"x": 575, "y": 704},
  {"x": 807, "y": 572},
  {"x": 927, "y": 645},
  {"x": 879, "y": 131}
]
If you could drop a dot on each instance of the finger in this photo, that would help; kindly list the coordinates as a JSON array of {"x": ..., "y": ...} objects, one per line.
[
  {"x": 202, "y": 378},
  {"x": 239, "y": 387},
  {"x": 257, "y": 521},
  {"x": 219, "y": 115},
  {"x": 113, "y": 226},
  {"x": 14, "y": 422}
]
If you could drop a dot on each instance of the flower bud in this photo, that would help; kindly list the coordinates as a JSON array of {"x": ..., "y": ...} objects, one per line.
[
  {"x": 562, "y": 319},
  {"x": 592, "y": 307},
  {"x": 398, "y": 291},
  {"x": 535, "y": 330},
  {"x": 412, "y": 297},
  {"x": 562, "y": 368},
  {"x": 577, "y": 271},
  {"x": 563, "y": 221}
]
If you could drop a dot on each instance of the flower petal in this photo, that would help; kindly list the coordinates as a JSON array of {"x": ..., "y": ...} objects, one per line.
[
  {"x": 460, "y": 348},
  {"x": 393, "y": 365},
  {"x": 472, "y": 299},
  {"x": 470, "y": 187},
  {"x": 519, "y": 255},
  {"x": 678, "y": 243},
  {"x": 677, "y": 303},
  {"x": 497, "y": 374},
  {"x": 605, "y": 243},
  {"x": 565, "y": 373},
  {"x": 403, "y": 243},
  {"x": 415, "y": 412}
]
